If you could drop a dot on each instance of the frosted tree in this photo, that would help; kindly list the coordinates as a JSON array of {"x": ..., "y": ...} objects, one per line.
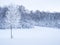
[{"x": 13, "y": 17}]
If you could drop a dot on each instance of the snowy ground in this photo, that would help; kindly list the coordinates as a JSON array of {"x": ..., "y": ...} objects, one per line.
[{"x": 34, "y": 36}]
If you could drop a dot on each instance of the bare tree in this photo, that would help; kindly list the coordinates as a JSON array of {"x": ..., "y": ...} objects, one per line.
[{"x": 13, "y": 17}]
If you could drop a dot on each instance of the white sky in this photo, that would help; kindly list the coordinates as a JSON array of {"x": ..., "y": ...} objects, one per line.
[{"x": 42, "y": 5}]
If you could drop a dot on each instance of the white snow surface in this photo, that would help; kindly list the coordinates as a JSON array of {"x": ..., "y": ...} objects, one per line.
[{"x": 34, "y": 36}]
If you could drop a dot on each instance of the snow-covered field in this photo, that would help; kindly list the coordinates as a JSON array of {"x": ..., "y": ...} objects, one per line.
[{"x": 34, "y": 36}]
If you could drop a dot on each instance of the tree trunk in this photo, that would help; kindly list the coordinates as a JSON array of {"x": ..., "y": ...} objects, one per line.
[{"x": 11, "y": 32}]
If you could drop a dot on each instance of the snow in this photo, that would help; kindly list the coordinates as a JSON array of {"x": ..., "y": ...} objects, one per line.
[{"x": 34, "y": 36}]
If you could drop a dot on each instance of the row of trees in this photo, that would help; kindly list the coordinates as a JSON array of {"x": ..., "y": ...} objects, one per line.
[{"x": 19, "y": 17}]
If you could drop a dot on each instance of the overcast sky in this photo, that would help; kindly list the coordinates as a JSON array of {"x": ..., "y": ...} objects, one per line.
[{"x": 42, "y": 5}]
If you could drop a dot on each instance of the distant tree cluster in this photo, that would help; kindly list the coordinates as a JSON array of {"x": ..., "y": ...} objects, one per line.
[
  {"x": 23, "y": 18},
  {"x": 3, "y": 17}
]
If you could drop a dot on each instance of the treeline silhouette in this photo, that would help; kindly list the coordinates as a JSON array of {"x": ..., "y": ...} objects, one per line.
[{"x": 29, "y": 19}]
